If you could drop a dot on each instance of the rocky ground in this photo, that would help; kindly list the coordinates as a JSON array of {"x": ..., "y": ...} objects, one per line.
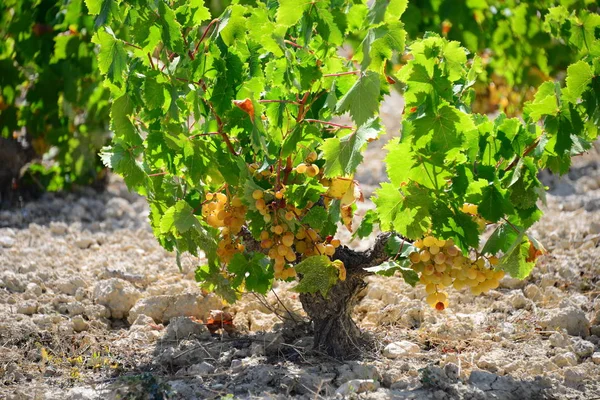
[{"x": 91, "y": 307}]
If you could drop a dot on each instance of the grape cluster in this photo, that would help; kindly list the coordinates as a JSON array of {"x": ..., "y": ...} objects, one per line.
[
  {"x": 308, "y": 167},
  {"x": 284, "y": 238},
  {"x": 228, "y": 215},
  {"x": 282, "y": 244},
  {"x": 442, "y": 265}
]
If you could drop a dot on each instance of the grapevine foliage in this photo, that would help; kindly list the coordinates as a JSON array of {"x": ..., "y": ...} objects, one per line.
[
  {"x": 225, "y": 125},
  {"x": 51, "y": 93},
  {"x": 513, "y": 37}
]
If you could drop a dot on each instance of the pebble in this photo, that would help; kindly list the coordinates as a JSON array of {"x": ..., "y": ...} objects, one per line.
[
  {"x": 117, "y": 295},
  {"x": 568, "y": 317},
  {"x": 565, "y": 359},
  {"x": 596, "y": 357},
  {"x": 28, "y": 307},
  {"x": 400, "y": 349},
  {"x": 79, "y": 324},
  {"x": 357, "y": 386},
  {"x": 7, "y": 242}
]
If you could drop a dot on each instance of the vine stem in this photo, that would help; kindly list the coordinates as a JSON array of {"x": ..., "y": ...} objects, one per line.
[
  {"x": 329, "y": 123},
  {"x": 293, "y": 44},
  {"x": 279, "y": 101},
  {"x": 159, "y": 173},
  {"x": 342, "y": 73},
  {"x": 511, "y": 225},
  {"x": 213, "y": 22},
  {"x": 528, "y": 150}
]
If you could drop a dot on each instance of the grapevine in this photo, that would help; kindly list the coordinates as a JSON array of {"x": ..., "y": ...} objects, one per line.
[
  {"x": 227, "y": 125},
  {"x": 52, "y": 102}
]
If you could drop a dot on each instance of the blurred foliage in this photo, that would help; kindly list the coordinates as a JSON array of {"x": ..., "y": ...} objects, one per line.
[{"x": 52, "y": 100}]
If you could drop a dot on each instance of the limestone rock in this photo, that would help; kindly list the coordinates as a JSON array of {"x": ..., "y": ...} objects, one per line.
[
  {"x": 400, "y": 349},
  {"x": 117, "y": 295}
]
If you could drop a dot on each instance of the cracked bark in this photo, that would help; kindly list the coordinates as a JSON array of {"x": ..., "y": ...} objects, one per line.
[{"x": 335, "y": 332}]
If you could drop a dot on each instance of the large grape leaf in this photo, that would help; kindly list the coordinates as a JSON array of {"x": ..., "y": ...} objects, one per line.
[
  {"x": 254, "y": 271},
  {"x": 362, "y": 100},
  {"x": 318, "y": 275},
  {"x": 112, "y": 58},
  {"x": 342, "y": 156},
  {"x": 579, "y": 76},
  {"x": 178, "y": 218}
]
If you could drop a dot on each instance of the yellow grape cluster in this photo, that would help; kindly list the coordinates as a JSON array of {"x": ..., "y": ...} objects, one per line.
[
  {"x": 442, "y": 265},
  {"x": 228, "y": 215},
  {"x": 308, "y": 167},
  {"x": 282, "y": 244}
]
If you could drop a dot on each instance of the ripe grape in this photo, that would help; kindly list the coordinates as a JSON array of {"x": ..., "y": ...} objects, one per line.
[{"x": 301, "y": 168}]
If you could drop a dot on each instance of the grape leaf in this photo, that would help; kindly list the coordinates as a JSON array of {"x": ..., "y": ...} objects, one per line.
[
  {"x": 254, "y": 272},
  {"x": 362, "y": 100},
  {"x": 316, "y": 217},
  {"x": 123, "y": 162},
  {"x": 342, "y": 156},
  {"x": 389, "y": 268},
  {"x": 178, "y": 218},
  {"x": 112, "y": 58},
  {"x": 318, "y": 275},
  {"x": 515, "y": 260},
  {"x": 579, "y": 76},
  {"x": 289, "y": 12}
]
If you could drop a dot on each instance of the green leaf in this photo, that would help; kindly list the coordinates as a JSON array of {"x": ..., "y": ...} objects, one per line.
[
  {"x": 366, "y": 224},
  {"x": 362, "y": 100},
  {"x": 493, "y": 205},
  {"x": 579, "y": 76},
  {"x": 289, "y": 12},
  {"x": 397, "y": 245},
  {"x": 171, "y": 29},
  {"x": 318, "y": 275},
  {"x": 501, "y": 240},
  {"x": 380, "y": 44},
  {"x": 387, "y": 10},
  {"x": 121, "y": 124},
  {"x": 122, "y": 161},
  {"x": 389, "y": 268},
  {"x": 544, "y": 102},
  {"x": 254, "y": 271},
  {"x": 515, "y": 260},
  {"x": 112, "y": 58},
  {"x": 342, "y": 156},
  {"x": 178, "y": 218},
  {"x": 316, "y": 217},
  {"x": 101, "y": 8}
]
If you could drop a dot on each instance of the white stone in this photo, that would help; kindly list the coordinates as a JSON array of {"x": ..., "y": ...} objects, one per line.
[
  {"x": 181, "y": 328},
  {"x": 163, "y": 308},
  {"x": 400, "y": 349},
  {"x": 58, "y": 228},
  {"x": 7, "y": 241},
  {"x": 79, "y": 324},
  {"x": 567, "y": 317},
  {"x": 116, "y": 294},
  {"x": 70, "y": 285},
  {"x": 596, "y": 357},
  {"x": 357, "y": 386},
  {"x": 559, "y": 340},
  {"x": 84, "y": 242},
  {"x": 583, "y": 348},
  {"x": 533, "y": 292},
  {"x": 262, "y": 322},
  {"x": 565, "y": 359},
  {"x": 28, "y": 307}
]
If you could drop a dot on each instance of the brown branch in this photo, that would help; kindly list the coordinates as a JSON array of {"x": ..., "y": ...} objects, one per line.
[
  {"x": 132, "y": 45},
  {"x": 529, "y": 149},
  {"x": 202, "y": 134},
  {"x": 342, "y": 73},
  {"x": 293, "y": 44},
  {"x": 220, "y": 130},
  {"x": 151, "y": 62},
  {"x": 213, "y": 22},
  {"x": 329, "y": 123},
  {"x": 279, "y": 101},
  {"x": 159, "y": 173}
]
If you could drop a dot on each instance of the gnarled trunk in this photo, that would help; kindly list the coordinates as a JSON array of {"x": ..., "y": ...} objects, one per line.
[{"x": 335, "y": 333}]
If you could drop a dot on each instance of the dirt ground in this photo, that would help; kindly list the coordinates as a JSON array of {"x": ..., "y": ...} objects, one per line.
[{"x": 91, "y": 307}]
